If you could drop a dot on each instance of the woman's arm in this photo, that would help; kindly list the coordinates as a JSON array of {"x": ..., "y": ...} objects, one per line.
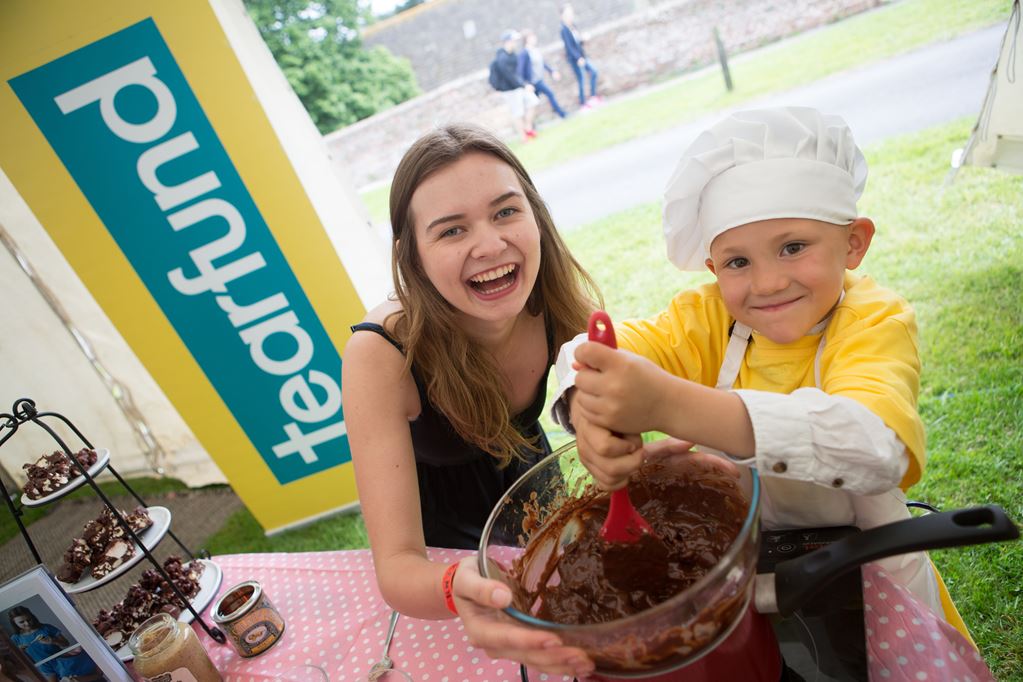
[{"x": 379, "y": 398}]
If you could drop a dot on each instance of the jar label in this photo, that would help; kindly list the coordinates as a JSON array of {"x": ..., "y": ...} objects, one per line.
[
  {"x": 257, "y": 631},
  {"x": 178, "y": 675}
]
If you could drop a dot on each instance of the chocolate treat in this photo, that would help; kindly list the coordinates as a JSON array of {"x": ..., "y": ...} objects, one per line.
[
  {"x": 103, "y": 546},
  {"x": 107, "y": 624},
  {"x": 151, "y": 595},
  {"x": 77, "y": 558},
  {"x": 174, "y": 566},
  {"x": 112, "y": 556},
  {"x": 52, "y": 472},
  {"x": 139, "y": 519},
  {"x": 96, "y": 534},
  {"x": 115, "y": 638},
  {"x": 138, "y": 603},
  {"x": 151, "y": 579},
  {"x": 70, "y": 573}
]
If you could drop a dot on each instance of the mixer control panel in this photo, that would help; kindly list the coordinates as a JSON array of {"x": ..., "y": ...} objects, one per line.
[{"x": 779, "y": 545}]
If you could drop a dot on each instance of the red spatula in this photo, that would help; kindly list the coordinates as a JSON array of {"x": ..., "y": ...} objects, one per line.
[{"x": 623, "y": 523}]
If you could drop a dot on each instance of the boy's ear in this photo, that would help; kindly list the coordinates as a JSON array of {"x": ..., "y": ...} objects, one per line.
[
  {"x": 710, "y": 266},
  {"x": 861, "y": 232}
]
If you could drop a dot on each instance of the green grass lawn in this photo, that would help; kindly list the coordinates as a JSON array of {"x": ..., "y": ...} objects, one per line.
[
  {"x": 894, "y": 29},
  {"x": 242, "y": 534}
]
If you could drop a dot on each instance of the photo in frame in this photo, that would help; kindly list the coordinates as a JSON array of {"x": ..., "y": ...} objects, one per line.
[{"x": 43, "y": 637}]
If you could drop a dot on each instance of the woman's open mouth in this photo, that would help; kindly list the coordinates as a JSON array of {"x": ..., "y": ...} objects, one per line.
[{"x": 494, "y": 282}]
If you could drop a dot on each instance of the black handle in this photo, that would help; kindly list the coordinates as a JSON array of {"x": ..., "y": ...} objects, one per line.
[{"x": 797, "y": 580}]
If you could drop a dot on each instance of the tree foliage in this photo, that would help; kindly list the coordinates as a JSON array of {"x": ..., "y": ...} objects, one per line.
[
  {"x": 318, "y": 47},
  {"x": 407, "y": 5}
]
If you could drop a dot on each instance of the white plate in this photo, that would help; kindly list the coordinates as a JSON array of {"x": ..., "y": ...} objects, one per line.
[
  {"x": 102, "y": 459},
  {"x": 209, "y": 584},
  {"x": 150, "y": 537}
]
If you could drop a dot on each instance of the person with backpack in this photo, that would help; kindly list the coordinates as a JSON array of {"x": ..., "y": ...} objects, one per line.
[{"x": 518, "y": 96}]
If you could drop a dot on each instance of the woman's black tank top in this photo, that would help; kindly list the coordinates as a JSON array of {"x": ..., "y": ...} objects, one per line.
[{"x": 459, "y": 483}]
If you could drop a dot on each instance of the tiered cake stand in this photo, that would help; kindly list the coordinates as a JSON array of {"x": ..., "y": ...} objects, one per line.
[{"x": 24, "y": 411}]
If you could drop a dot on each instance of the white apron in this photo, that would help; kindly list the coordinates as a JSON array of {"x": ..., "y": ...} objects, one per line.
[{"x": 791, "y": 503}]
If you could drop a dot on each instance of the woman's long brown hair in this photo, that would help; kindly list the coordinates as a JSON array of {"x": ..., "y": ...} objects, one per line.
[{"x": 462, "y": 378}]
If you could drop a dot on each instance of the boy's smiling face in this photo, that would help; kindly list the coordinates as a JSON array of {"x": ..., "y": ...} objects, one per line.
[{"x": 783, "y": 276}]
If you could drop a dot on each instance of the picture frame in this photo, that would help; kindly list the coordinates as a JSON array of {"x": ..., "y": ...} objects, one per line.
[{"x": 43, "y": 637}]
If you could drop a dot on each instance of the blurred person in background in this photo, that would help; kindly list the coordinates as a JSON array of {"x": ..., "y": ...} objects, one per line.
[
  {"x": 518, "y": 95},
  {"x": 576, "y": 55},
  {"x": 532, "y": 67}
]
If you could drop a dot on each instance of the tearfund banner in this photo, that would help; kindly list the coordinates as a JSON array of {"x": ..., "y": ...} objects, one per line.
[{"x": 133, "y": 134}]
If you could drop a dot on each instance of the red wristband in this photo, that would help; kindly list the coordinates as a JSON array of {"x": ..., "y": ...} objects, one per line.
[{"x": 447, "y": 582}]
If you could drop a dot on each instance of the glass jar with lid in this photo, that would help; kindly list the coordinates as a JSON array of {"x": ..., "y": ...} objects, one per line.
[{"x": 163, "y": 646}]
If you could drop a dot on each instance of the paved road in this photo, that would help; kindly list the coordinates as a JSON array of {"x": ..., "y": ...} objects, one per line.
[{"x": 923, "y": 88}]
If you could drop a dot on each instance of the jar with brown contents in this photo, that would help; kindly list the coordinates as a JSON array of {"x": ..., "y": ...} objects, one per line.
[{"x": 168, "y": 650}]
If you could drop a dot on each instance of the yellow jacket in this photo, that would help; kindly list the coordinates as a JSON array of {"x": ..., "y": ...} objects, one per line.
[{"x": 870, "y": 354}]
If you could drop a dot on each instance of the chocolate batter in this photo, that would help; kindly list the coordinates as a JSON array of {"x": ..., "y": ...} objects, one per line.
[{"x": 569, "y": 575}]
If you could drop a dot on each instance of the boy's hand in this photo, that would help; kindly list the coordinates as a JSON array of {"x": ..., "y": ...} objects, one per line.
[
  {"x": 618, "y": 390},
  {"x": 609, "y": 457}
]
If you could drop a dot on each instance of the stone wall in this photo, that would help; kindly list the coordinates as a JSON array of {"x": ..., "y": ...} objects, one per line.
[
  {"x": 645, "y": 47},
  {"x": 447, "y": 39}
]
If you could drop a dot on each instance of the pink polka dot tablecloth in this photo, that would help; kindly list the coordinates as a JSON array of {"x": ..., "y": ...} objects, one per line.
[
  {"x": 337, "y": 620},
  {"x": 907, "y": 641}
]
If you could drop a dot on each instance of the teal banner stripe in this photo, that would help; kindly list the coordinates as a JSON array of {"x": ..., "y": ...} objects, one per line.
[{"x": 130, "y": 131}]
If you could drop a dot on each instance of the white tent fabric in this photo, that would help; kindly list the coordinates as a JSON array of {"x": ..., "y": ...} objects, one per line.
[
  {"x": 60, "y": 350},
  {"x": 997, "y": 138}
]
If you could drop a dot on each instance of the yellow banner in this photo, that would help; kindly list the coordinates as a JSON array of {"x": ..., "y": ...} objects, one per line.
[{"x": 132, "y": 132}]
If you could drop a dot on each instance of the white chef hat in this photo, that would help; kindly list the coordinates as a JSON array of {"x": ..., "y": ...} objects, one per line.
[{"x": 788, "y": 162}]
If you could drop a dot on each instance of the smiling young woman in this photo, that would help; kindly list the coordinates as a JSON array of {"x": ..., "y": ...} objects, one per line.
[{"x": 443, "y": 385}]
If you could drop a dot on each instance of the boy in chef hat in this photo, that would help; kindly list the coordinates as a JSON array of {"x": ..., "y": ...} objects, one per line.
[{"x": 788, "y": 361}]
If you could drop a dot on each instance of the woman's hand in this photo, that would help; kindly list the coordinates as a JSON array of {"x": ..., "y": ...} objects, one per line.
[
  {"x": 479, "y": 601},
  {"x": 668, "y": 449}
]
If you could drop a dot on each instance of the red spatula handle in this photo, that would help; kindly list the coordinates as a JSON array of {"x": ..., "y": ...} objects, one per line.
[
  {"x": 623, "y": 523},
  {"x": 600, "y": 329}
]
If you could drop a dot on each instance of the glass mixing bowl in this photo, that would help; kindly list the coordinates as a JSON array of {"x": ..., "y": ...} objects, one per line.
[{"x": 664, "y": 637}]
